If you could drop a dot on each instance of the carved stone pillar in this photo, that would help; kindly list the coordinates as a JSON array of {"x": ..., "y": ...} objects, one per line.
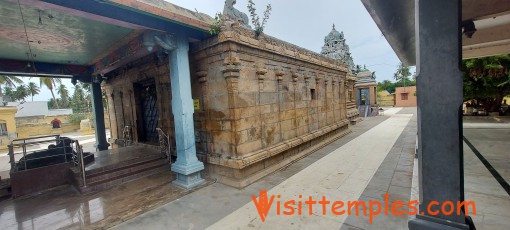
[
  {"x": 335, "y": 100},
  {"x": 202, "y": 79},
  {"x": 326, "y": 101},
  {"x": 231, "y": 71},
  {"x": 279, "y": 78},
  {"x": 261, "y": 75},
  {"x": 318, "y": 92},
  {"x": 307, "y": 83},
  {"x": 111, "y": 113},
  {"x": 132, "y": 111},
  {"x": 318, "y": 78},
  {"x": 295, "y": 77},
  {"x": 343, "y": 100}
]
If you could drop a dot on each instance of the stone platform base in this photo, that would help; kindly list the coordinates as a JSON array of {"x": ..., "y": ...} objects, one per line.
[{"x": 240, "y": 178}]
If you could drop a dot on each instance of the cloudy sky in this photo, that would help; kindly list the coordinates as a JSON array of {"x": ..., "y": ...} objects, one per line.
[{"x": 306, "y": 23}]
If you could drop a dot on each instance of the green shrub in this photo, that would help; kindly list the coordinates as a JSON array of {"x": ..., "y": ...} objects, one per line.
[{"x": 77, "y": 117}]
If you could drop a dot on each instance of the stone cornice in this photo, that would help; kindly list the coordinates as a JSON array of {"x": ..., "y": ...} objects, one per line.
[
  {"x": 232, "y": 32},
  {"x": 365, "y": 84}
]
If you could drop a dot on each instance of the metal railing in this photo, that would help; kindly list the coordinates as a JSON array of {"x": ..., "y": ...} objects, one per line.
[
  {"x": 23, "y": 143},
  {"x": 68, "y": 149},
  {"x": 79, "y": 161},
  {"x": 165, "y": 145},
  {"x": 127, "y": 136}
]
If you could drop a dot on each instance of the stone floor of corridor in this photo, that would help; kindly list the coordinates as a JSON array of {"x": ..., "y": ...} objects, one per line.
[{"x": 375, "y": 159}]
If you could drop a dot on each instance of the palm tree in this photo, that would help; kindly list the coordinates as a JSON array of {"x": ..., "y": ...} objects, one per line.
[
  {"x": 9, "y": 81},
  {"x": 33, "y": 89},
  {"x": 64, "y": 95},
  {"x": 21, "y": 93},
  {"x": 63, "y": 92},
  {"x": 51, "y": 83}
]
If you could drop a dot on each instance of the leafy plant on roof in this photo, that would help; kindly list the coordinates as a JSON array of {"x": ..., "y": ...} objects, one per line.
[
  {"x": 255, "y": 19},
  {"x": 215, "y": 27}
]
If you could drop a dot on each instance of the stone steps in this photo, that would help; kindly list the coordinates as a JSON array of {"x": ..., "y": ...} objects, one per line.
[{"x": 109, "y": 176}]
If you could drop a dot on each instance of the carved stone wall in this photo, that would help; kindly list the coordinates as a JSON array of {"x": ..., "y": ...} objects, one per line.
[
  {"x": 352, "y": 97},
  {"x": 265, "y": 103},
  {"x": 122, "y": 104}
]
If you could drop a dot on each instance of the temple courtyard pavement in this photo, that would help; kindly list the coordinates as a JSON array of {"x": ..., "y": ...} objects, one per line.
[{"x": 377, "y": 158}]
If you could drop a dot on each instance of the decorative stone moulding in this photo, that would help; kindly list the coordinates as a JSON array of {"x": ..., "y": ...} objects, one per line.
[
  {"x": 231, "y": 66},
  {"x": 307, "y": 78},
  {"x": 202, "y": 76},
  {"x": 318, "y": 78},
  {"x": 279, "y": 74},
  {"x": 257, "y": 156},
  {"x": 260, "y": 70},
  {"x": 327, "y": 79},
  {"x": 233, "y": 31},
  {"x": 295, "y": 76}
]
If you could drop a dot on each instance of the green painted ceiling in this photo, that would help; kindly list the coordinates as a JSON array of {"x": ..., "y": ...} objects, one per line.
[{"x": 59, "y": 38}]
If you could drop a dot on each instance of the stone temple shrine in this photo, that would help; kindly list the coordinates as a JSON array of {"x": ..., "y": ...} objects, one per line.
[
  {"x": 365, "y": 85},
  {"x": 235, "y": 106},
  {"x": 335, "y": 47}
]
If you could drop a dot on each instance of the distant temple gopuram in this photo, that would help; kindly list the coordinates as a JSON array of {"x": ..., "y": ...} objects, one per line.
[{"x": 335, "y": 47}]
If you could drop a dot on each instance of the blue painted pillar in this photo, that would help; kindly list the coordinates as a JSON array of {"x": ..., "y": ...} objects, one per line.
[
  {"x": 98, "y": 110},
  {"x": 367, "y": 93},
  {"x": 187, "y": 166}
]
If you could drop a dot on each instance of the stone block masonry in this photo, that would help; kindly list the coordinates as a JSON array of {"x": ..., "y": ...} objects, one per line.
[{"x": 264, "y": 103}]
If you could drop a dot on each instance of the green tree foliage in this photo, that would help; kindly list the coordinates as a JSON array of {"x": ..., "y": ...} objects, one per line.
[
  {"x": 255, "y": 19},
  {"x": 52, "y": 104},
  {"x": 79, "y": 102},
  {"x": 7, "y": 91},
  {"x": 402, "y": 74},
  {"x": 88, "y": 95},
  {"x": 21, "y": 93},
  {"x": 386, "y": 85},
  {"x": 33, "y": 89},
  {"x": 64, "y": 101},
  {"x": 51, "y": 83},
  {"x": 487, "y": 80},
  {"x": 17, "y": 94},
  {"x": 391, "y": 86},
  {"x": 9, "y": 81}
]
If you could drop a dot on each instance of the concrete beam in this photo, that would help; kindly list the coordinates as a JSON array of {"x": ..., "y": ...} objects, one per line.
[
  {"x": 487, "y": 42},
  {"x": 488, "y": 35},
  {"x": 439, "y": 83},
  {"x": 486, "y": 49},
  {"x": 396, "y": 21},
  {"x": 476, "y": 9}
]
